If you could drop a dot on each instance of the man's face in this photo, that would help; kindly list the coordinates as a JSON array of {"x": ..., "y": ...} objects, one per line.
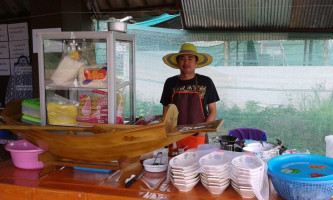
[{"x": 187, "y": 63}]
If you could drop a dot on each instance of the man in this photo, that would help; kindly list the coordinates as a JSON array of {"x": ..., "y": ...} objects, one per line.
[{"x": 192, "y": 93}]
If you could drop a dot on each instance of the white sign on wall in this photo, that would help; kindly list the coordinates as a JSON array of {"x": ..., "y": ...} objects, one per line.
[
  {"x": 18, "y": 31},
  {"x": 4, "y": 67},
  {"x": 19, "y": 48},
  {"x": 4, "y": 50},
  {"x": 3, "y": 32}
]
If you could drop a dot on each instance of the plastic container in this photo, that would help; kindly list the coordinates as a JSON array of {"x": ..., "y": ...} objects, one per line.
[
  {"x": 302, "y": 176},
  {"x": 25, "y": 155},
  {"x": 31, "y": 107},
  {"x": 26, "y": 119},
  {"x": 204, "y": 149}
]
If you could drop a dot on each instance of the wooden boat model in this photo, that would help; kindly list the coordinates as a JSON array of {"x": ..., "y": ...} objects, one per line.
[{"x": 102, "y": 144}]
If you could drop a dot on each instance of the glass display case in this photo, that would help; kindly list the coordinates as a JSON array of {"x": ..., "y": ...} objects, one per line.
[{"x": 86, "y": 77}]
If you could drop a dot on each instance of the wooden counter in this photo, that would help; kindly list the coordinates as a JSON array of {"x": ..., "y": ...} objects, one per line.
[{"x": 67, "y": 183}]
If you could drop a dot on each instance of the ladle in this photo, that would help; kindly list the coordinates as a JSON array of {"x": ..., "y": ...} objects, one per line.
[{"x": 155, "y": 163}]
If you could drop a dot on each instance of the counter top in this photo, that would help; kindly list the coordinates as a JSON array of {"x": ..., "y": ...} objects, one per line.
[{"x": 69, "y": 183}]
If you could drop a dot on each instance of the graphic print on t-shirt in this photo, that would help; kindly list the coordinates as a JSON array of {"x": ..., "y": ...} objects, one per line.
[{"x": 186, "y": 88}]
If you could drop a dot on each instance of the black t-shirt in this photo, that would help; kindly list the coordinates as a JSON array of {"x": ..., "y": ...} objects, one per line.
[{"x": 206, "y": 87}]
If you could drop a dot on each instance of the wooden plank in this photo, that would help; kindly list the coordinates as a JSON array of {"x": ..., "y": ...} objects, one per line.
[{"x": 15, "y": 192}]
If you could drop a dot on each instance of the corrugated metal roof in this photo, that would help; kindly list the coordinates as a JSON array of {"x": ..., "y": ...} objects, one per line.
[
  {"x": 257, "y": 14},
  {"x": 229, "y": 15}
]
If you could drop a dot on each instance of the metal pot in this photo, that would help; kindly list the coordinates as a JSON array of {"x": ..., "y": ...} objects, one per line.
[
  {"x": 117, "y": 26},
  {"x": 227, "y": 142}
]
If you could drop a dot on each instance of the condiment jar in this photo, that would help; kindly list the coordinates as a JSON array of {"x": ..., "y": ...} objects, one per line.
[{"x": 173, "y": 149}]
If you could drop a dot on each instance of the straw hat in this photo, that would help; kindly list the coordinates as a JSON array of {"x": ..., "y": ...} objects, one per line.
[{"x": 203, "y": 58}]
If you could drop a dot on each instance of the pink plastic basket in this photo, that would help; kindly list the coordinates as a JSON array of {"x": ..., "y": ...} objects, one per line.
[{"x": 25, "y": 155}]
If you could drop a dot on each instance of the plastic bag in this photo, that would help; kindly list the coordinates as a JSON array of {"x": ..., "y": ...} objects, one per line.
[
  {"x": 70, "y": 63},
  {"x": 146, "y": 119},
  {"x": 61, "y": 111}
]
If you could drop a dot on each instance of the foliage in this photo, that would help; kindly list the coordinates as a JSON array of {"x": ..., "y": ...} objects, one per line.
[
  {"x": 299, "y": 128},
  {"x": 303, "y": 128}
]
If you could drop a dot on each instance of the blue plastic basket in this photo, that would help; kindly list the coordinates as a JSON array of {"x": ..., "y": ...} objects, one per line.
[{"x": 300, "y": 186}]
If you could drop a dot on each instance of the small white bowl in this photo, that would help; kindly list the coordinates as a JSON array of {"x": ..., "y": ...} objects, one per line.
[{"x": 148, "y": 165}]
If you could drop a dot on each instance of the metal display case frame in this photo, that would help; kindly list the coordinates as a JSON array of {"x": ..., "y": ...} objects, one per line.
[{"x": 111, "y": 38}]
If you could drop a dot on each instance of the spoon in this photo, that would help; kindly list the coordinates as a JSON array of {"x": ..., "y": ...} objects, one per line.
[{"x": 261, "y": 143}]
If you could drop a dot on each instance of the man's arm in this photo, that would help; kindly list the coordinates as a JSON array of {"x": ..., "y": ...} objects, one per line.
[
  {"x": 211, "y": 116},
  {"x": 211, "y": 112},
  {"x": 164, "y": 109}
]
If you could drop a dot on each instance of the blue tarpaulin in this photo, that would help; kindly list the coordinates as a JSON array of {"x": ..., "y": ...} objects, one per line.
[{"x": 157, "y": 20}]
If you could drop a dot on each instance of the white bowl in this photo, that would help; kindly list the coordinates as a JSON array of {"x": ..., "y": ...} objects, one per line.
[
  {"x": 215, "y": 160},
  {"x": 265, "y": 152},
  {"x": 244, "y": 182},
  {"x": 210, "y": 179},
  {"x": 258, "y": 144},
  {"x": 244, "y": 193},
  {"x": 247, "y": 162},
  {"x": 187, "y": 171},
  {"x": 215, "y": 189},
  {"x": 189, "y": 168},
  {"x": 184, "y": 161},
  {"x": 184, "y": 176},
  {"x": 255, "y": 148},
  {"x": 185, "y": 181},
  {"x": 162, "y": 165},
  {"x": 245, "y": 174},
  {"x": 219, "y": 183},
  {"x": 240, "y": 186},
  {"x": 222, "y": 176},
  {"x": 184, "y": 187},
  {"x": 210, "y": 170}
]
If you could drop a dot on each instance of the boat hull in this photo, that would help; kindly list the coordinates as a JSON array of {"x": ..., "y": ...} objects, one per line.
[{"x": 116, "y": 143}]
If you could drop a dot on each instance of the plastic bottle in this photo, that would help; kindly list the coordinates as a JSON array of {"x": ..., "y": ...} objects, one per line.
[
  {"x": 173, "y": 149},
  {"x": 329, "y": 145}
]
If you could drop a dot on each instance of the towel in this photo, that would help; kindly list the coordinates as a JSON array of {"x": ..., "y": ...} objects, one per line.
[{"x": 248, "y": 133}]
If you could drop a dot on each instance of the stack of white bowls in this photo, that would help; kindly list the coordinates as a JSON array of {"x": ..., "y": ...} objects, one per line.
[
  {"x": 245, "y": 174},
  {"x": 215, "y": 171},
  {"x": 265, "y": 151},
  {"x": 184, "y": 171}
]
